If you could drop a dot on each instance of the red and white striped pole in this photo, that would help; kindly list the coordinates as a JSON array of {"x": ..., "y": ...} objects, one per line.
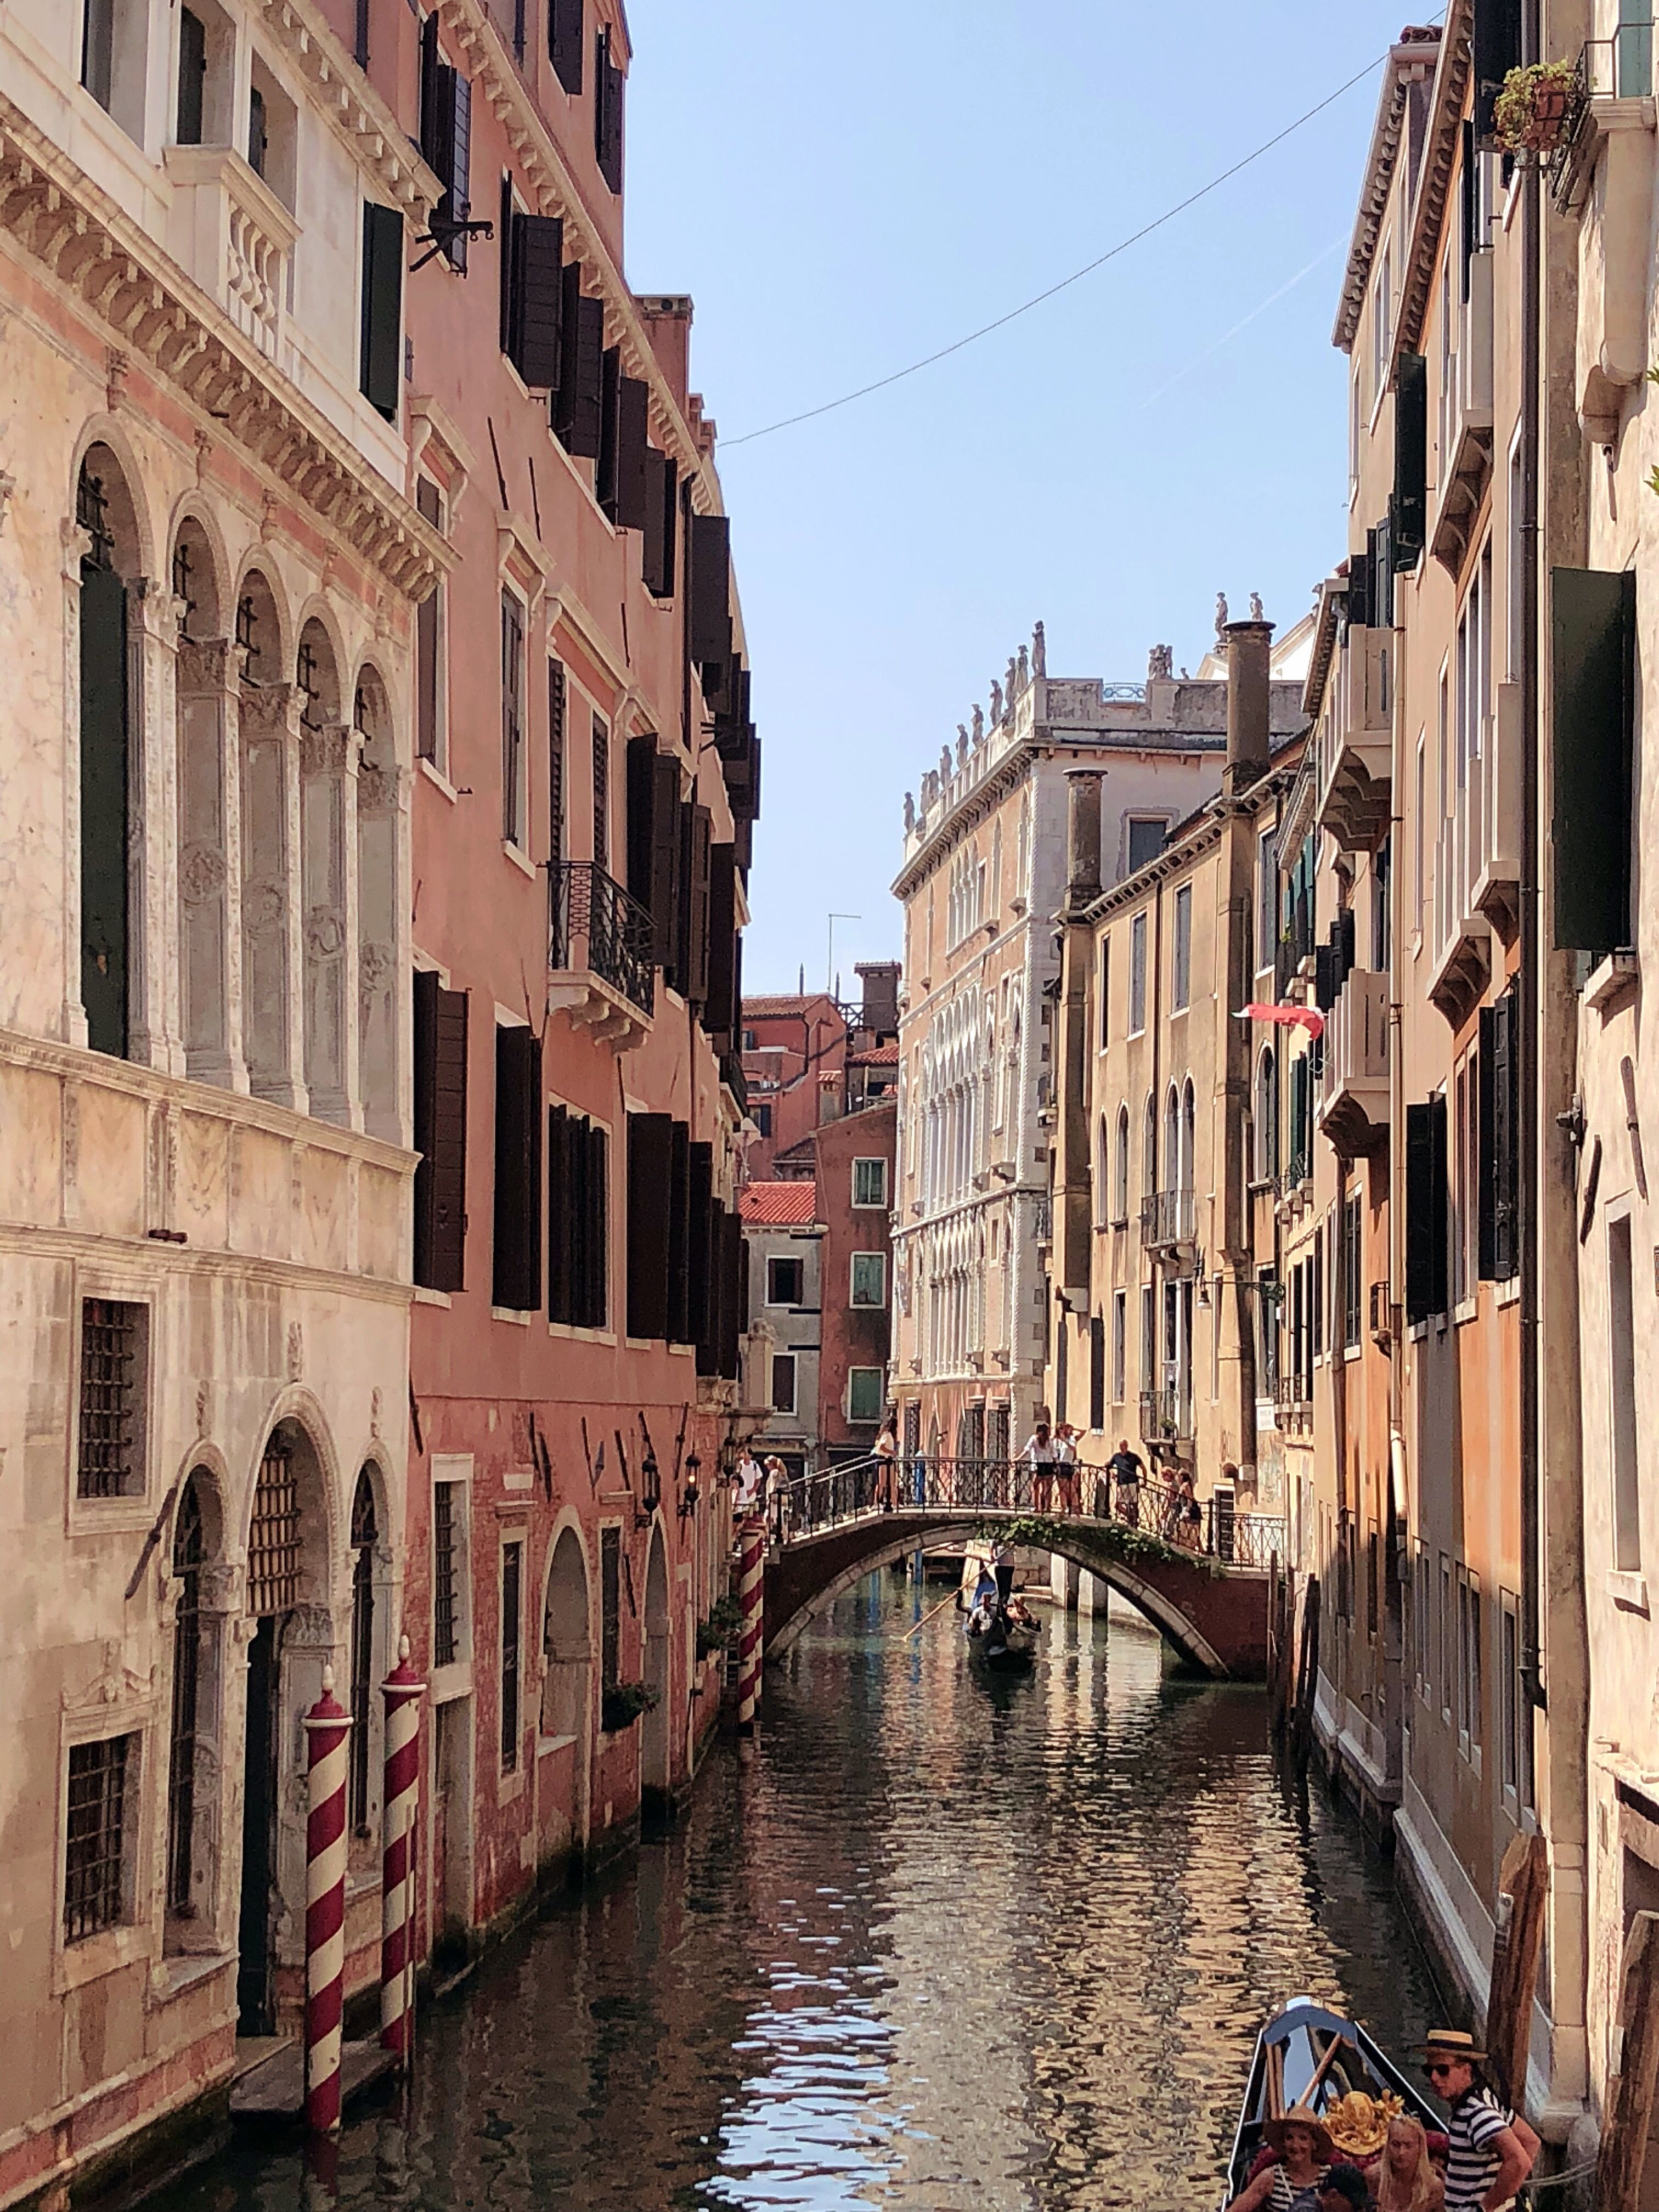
[
  {"x": 751, "y": 1600},
  {"x": 403, "y": 1690},
  {"x": 328, "y": 1731}
]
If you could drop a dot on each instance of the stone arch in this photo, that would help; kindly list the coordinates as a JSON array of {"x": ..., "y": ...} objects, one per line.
[
  {"x": 200, "y": 1586},
  {"x": 1154, "y": 1604},
  {"x": 197, "y": 571},
  {"x": 378, "y": 967},
  {"x": 1190, "y": 1137},
  {"x": 1172, "y": 1139},
  {"x": 656, "y": 1777},
  {"x": 135, "y": 534},
  {"x": 261, "y": 622},
  {"x": 564, "y": 1746},
  {"x": 1120, "y": 1166},
  {"x": 1266, "y": 1103}
]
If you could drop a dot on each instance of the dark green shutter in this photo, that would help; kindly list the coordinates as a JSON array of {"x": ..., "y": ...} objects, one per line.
[
  {"x": 605, "y": 481},
  {"x": 563, "y": 1228},
  {"x": 597, "y": 1207},
  {"x": 699, "y": 1184},
  {"x": 382, "y": 365},
  {"x": 1592, "y": 632},
  {"x": 536, "y": 323},
  {"x": 1506, "y": 1134},
  {"x": 1487, "y": 1207},
  {"x": 1439, "y": 1211},
  {"x": 1408, "y": 513},
  {"x": 607, "y": 113},
  {"x": 720, "y": 1012},
  {"x": 1419, "y": 1211},
  {"x": 1495, "y": 42},
  {"x": 565, "y": 38},
  {"x": 661, "y": 505},
  {"x": 641, "y": 806},
  {"x": 710, "y": 617},
  {"x": 663, "y": 896},
  {"x": 679, "y": 1237},
  {"x": 1097, "y": 1372},
  {"x": 576, "y": 409},
  {"x": 103, "y": 808},
  {"x": 440, "y": 1086},
  {"x": 650, "y": 1149},
  {"x": 695, "y": 981},
  {"x": 517, "y": 1258},
  {"x": 633, "y": 491}
]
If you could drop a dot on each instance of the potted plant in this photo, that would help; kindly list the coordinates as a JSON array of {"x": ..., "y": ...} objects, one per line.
[
  {"x": 1533, "y": 111},
  {"x": 725, "y": 1619},
  {"x": 623, "y": 1702}
]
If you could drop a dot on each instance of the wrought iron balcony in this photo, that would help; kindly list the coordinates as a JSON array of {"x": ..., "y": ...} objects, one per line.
[
  {"x": 1168, "y": 1220},
  {"x": 601, "y": 946},
  {"x": 1166, "y": 1415}
]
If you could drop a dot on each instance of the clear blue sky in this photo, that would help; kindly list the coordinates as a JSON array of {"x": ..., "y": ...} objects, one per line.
[{"x": 843, "y": 190}]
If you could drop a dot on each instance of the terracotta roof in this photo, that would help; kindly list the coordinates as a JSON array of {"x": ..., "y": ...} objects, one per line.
[
  {"x": 780, "y": 1204},
  {"x": 792, "y": 1002},
  {"x": 880, "y": 1055}
]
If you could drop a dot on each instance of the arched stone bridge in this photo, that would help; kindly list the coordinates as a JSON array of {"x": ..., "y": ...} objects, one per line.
[{"x": 1213, "y": 1609}]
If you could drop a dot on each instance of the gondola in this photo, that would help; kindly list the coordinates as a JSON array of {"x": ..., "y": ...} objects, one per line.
[
  {"x": 999, "y": 1644},
  {"x": 1307, "y": 2055}
]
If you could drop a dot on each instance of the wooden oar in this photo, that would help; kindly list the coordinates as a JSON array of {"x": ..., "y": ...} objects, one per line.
[
  {"x": 1275, "y": 2081},
  {"x": 1323, "y": 2067},
  {"x": 928, "y": 1615}
]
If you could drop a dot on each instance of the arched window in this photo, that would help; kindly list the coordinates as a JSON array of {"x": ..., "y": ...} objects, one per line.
[
  {"x": 1172, "y": 1140},
  {"x": 1102, "y": 1169},
  {"x": 1120, "y": 1168},
  {"x": 1189, "y": 1138},
  {"x": 103, "y": 511},
  {"x": 1267, "y": 1116},
  {"x": 363, "y": 1534},
  {"x": 188, "y": 1555},
  {"x": 1149, "y": 1148}
]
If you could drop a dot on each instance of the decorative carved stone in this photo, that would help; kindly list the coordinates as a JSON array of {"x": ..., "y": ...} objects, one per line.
[
  {"x": 374, "y": 1411},
  {"x": 309, "y": 1628},
  {"x": 206, "y": 664},
  {"x": 328, "y": 750},
  {"x": 375, "y": 965},
  {"x": 1160, "y": 664},
  {"x": 201, "y": 874},
  {"x": 264, "y": 907},
  {"x": 296, "y": 1352},
  {"x": 203, "y": 1398},
  {"x": 326, "y": 933},
  {"x": 378, "y": 789}
]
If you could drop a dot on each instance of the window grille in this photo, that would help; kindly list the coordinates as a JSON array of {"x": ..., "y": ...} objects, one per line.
[
  {"x": 189, "y": 1551},
  {"x": 109, "y": 1399},
  {"x": 273, "y": 1550},
  {"x": 92, "y": 1861},
  {"x": 363, "y": 1533},
  {"x": 445, "y": 1593},
  {"x": 512, "y": 1559},
  {"x": 247, "y": 633},
  {"x": 182, "y": 579},
  {"x": 91, "y": 514},
  {"x": 610, "y": 1607}
]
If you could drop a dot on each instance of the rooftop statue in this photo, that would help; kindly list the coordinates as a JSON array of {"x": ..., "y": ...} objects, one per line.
[
  {"x": 979, "y": 723},
  {"x": 1160, "y": 663},
  {"x": 1025, "y": 669},
  {"x": 1039, "y": 651},
  {"x": 1220, "y": 617},
  {"x": 1256, "y": 614},
  {"x": 996, "y": 701},
  {"x": 909, "y": 814}
]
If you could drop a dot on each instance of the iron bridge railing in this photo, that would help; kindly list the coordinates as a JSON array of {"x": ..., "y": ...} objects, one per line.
[
  {"x": 593, "y": 923},
  {"x": 1209, "y": 1528}
]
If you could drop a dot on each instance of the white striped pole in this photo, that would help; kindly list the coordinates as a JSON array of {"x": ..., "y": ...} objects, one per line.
[
  {"x": 328, "y": 1729},
  {"x": 751, "y": 1599},
  {"x": 403, "y": 1690}
]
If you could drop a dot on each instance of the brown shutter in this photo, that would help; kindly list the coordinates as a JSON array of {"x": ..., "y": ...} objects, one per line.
[
  {"x": 719, "y": 1008},
  {"x": 607, "y": 113},
  {"x": 605, "y": 482},
  {"x": 633, "y": 488},
  {"x": 661, "y": 511},
  {"x": 642, "y": 761},
  {"x": 555, "y": 840},
  {"x": 696, "y": 984},
  {"x": 536, "y": 318},
  {"x": 733, "y": 1302},
  {"x": 440, "y": 1134},
  {"x": 710, "y": 617},
  {"x": 650, "y": 1146},
  {"x": 664, "y": 898},
  {"x": 515, "y": 1281},
  {"x": 699, "y": 1199},
  {"x": 679, "y": 1235},
  {"x": 581, "y": 367},
  {"x": 597, "y": 1239},
  {"x": 562, "y": 1227},
  {"x": 565, "y": 40}
]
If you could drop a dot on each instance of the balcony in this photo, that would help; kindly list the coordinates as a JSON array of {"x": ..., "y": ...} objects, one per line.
[
  {"x": 1603, "y": 174},
  {"x": 1043, "y": 1221},
  {"x": 1463, "y": 954},
  {"x": 1168, "y": 1220},
  {"x": 234, "y": 236},
  {"x": 1166, "y": 1415},
  {"x": 600, "y": 955},
  {"x": 1354, "y": 1111},
  {"x": 1466, "y": 419},
  {"x": 1355, "y": 746},
  {"x": 1293, "y": 1404}
]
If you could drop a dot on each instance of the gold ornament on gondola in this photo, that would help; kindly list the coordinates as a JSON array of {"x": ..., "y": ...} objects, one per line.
[{"x": 1358, "y": 2124}]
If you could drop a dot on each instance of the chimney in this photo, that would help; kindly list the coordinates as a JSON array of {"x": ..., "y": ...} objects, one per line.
[
  {"x": 1247, "y": 737},
  {"x": 1083, "y": 835},
  {"x": 880, "y": 979}
]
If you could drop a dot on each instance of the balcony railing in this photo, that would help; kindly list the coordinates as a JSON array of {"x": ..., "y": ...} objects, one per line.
[
  {"x": 594, "y": 925},
  {"x": 1354, "y": 1110},
  {"x": 1168, "y": 1218},
  {"x": 1166, "y": 1414},
  {"x": 1042, "y": 1219},
  {"x": 235, "y": 237}
]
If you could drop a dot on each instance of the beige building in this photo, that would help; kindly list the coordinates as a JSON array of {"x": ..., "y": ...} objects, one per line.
[
  {"x": 208, "y": 618},
  {"x": 983, "y": 876}
]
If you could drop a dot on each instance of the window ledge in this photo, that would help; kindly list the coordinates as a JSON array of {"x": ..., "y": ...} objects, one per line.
[
  {"x": 434, "y": 775},
  {"x": 1628, "y": 1592},
  {"x": 512, "y": 1314},
  {"x": 1611, "y": 980},
  {"x": 452, "y": 1681},
  {"x": 509, "y": 1787},
  {"x": 1507, "y": 1293},
  {"x": 547, "y": 1745},
  {"x": 524, "y": 866},
  {"x": 1466, "y": 1310},
  {"x": 182, "y": 1971},
  {"x": 426, "y": 1298}
]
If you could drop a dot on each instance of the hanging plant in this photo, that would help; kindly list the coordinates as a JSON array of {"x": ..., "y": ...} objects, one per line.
[
  {"x": 623, "y": 1702},
  {"x": 1535, "y": 111},
  {"x": 714, "y": 1634}
]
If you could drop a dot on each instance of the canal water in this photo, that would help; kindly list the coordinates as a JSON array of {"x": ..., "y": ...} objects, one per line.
[{"x": 934, "y": 1943}]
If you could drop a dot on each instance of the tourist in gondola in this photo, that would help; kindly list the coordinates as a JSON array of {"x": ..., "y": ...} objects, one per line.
[
  {"x": 1492, "y": 2148},
  {"x": 1304, "y": 2146},
  {"x": 1345, "y": 2188},
  {"x": 1405, "y": 2181}
]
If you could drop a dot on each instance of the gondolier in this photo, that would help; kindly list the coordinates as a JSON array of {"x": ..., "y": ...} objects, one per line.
[{"x": 1492, "y": 2148}]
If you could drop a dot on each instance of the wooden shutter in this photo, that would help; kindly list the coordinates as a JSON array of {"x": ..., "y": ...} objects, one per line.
[
  {"x": 719, "y": 1009},
  {"x": 607, "y": 113},
  {"x": 1496, "y": 41},
  {"x": 663, "y": 897},
  {"x": 661, "y": 509},
  {"x": 650, "y": 1147},
  {"x": 734, "y": 1302},
  {"x": 1593, "y": 631},
  {"x": 1409, "y": 510},
  {"x": 709, "y": 553},
  {"x": 700, "y": 1185},
  {"x": 192, "y": 77},
  {"x": 563, "y": 1226},
  {"x": 565, "y": 40},
  {"x": 605, "y": 481},
  {"x": 601, "y": 743},
  {"x": 1097, "y": 1372},
  {"x": 439, "y": 1072},
  {"x": 596, "y": 1205},
  {"x": 679, "y": 1237},
  {"x": 447, "y": 135},
  {"x": 517, "y": 1262},
  {"x": 1439, "y": 1209},
  {"x": 576, "y": 411},
  {"x": 536, "y": 323},
  {"x": 1505, "y": 1135},
  {"x": 642, "y": 808},
  {"x": 556, "y": 839},
  {"x": 381, "y": 368},
  {"x": 103, "y": 808},
  {"x": 695, "y": 982},
  {"x": 633, "y": 490},
  {"x": 1420, "y": 1225}
]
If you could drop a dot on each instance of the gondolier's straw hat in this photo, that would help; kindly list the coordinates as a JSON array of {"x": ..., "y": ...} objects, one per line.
[
  {"x": 1452, "y": 2043},
  {"x": 1300, "y": 2116}
]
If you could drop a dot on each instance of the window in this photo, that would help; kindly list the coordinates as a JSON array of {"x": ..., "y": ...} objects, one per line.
[
  {"x": 512, "y": 1575},
  {"x": 99, "y": 1840},
  {"x": 192, "y": 78},
  {"x": 1267, "y": 1116},
  {"x": 188, "y": 1556},
  {"x": 111, "y": 1451},
  {"x": 1149, "y": 1149},
  {"x": 565, "y": 41},
  {"x": 1510, "y": 1694},
  {"x": 657, "y": 1199},
  {"x": 1446, "y": 1661},
  {"x": 1097, "y": 1372},
  {"x": 1419, "y": 830},
  {"x": 1119, "y": 1343},
  {"x": 1138, "y": 975},
  {"x": 869, "y": 1279},
  {"x": 1180, "y": 963},
  {"x": 1472, "y": 1662},
  {"x": 763, "y": 1113},
  {"x": 601, "y": 793},
  {"x": 273, "y": 1544},
  {"x": 431, "y": 673},
  {"x": 1147, "y": 835},
  {"x": 447, "y": 136},
  {"x": 607, "y": 113},
  {"x": 610, "y": 1607},
  {"x": 1422, "y": 1642},
  {"x": 1464, "y": 1206},
  {"x": 785, "y": 1282},
  {"x": 448, "y": 1506},
  {"x": 783, "y": 1381},
  {"x": 1427, "y": 1210},
  {"x": 1266, "y": 897},
  {"x": 578, "y": 1220},
  {"x": 1498, "y": 1168},
  {"x": 1104, "y": 1026},
  {"x": 1593, "y": 687},
  {"x": 98, "y": 49},
  {"x": 1382, "y": 322},
  {"x": 870, "y": 1182},
  {"x": 749, "y": 1044},
  {"x": 513, "y": 756},
  {"x": 363, "y": 1535},
  {"x": 864, "y": 1392},
  {"x": 1621, "y": 1356},
  {"x": 517, "y": 1255},
  {"x": 381, "y": 355},
  {"x": 1267, "y": 1296},
  {"x": 1382, "y": 916},
  {"x": 1148, "y": 1336},
  {"x": 1353, "y": 1263}
]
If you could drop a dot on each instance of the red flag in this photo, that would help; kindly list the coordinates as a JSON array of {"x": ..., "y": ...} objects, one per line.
[{"x": 1295, "y": 1017}]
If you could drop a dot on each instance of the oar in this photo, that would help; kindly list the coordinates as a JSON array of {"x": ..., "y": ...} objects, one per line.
[
  {"x": 928, "y": 1615},
  {"x": 1323, "y": 2067}
]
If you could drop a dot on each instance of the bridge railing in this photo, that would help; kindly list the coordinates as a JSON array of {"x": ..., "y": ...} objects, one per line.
[{"x": 953, "y": 1487}]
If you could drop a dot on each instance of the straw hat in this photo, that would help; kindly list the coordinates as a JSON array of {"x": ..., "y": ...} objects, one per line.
[
  {"x": 1452, "y": 2043},
  {"x": 1358, "y": 2123},
  {"x": 1300, "y": 2116}
]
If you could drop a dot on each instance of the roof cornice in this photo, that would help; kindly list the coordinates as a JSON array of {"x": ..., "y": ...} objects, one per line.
[
  {"x": 1451, "y": 82},
  {"x": 1406, "y": 65},
  {"x": 1333, "y": 592}
]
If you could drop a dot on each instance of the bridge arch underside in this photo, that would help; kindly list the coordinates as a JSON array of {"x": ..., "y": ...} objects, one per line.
[{"x": 813, "y": 1571}]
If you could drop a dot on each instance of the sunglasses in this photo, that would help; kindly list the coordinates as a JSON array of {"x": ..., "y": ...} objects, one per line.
[{"x": 1441, "y": 2068}]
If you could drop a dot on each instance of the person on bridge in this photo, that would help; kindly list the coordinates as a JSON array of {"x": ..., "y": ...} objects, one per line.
[
  {"x": 1125, "y": 1469},
  {"x": 1066, "y": 1466},
  {"x": 1038, "y": 1454},
  {"x": 886, "y": 1457}
]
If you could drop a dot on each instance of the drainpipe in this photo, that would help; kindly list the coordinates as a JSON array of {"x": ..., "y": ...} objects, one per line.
[{"x": 1531, "y": 931}]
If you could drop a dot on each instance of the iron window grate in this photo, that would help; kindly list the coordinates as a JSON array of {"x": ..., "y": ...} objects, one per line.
[
  {"x": 93, "y": 1864},
  {"x": 445, "y": 1611},
  {"x": 273, "y": 1550},
  {"x": 109, "y": 1399},
  {"x": 189, "y": 1551},
  {"x": 512, "y": 1562}
]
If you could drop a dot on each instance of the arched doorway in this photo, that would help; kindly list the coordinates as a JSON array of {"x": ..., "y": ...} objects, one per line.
[
  {"x": 566, "y": 1732},
  {"x": 655, "y": 1780},
  {"x": 365, "y": 1534}
]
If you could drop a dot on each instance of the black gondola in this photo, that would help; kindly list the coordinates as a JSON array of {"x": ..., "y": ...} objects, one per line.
[
  {"x": 997, "y": 1639},
  {"x": 1295, "y": 2064}
]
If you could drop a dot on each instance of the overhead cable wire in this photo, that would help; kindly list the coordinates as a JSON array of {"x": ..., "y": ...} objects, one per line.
[{"x": 1157, "y": 223}]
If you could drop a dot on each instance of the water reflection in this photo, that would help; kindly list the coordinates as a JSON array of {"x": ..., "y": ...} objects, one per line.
[{"x": 933, "y": 1945}]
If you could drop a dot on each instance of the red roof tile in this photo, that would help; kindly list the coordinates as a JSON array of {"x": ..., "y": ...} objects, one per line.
[
  {"x": 880, "y": 1055},
  {"x": 780, "y": 1204}
]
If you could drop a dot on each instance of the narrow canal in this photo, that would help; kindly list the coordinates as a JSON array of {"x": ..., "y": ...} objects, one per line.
[{"x": 935, "y": 1945}]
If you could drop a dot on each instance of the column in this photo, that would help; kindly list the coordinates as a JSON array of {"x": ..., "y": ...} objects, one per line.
[
  {"x": 328, "y": 841},
  {"x": 273, "y": 961},
  {"x": 209, "y": 862}
]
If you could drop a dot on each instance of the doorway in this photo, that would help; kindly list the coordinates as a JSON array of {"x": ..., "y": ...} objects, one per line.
[
  {"x": 256, "y": 1995},
  {"x": 451, "y": 1863},
  {"x": 654, "y": 1737}
]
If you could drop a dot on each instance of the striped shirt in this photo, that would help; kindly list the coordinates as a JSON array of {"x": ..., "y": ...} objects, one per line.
[
  {"x": 1284, "y": 2198},
  {"x": 1477, "y": 2119}
]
